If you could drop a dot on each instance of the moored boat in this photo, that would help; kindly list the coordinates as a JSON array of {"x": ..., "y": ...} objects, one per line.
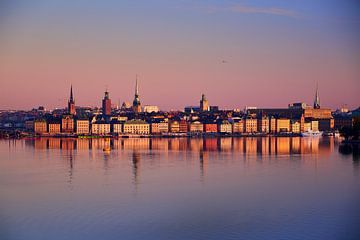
[{"x": 311, "y": 133}]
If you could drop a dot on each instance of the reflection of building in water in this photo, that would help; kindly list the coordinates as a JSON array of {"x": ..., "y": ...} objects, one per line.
[
  {"x": 250, "y": 145},
  {"x": 296, "y": 145},
  {"x": 54, "y": 143},
  {"x": 203, "y": 163},
  {"x": 68, "y": 144},
  {"x": 82, "y": 144},
  {"x": 135, "y": 167},
  {"x": 283, "y": 145},
  {"x": 196, "y": 144},
  {"x": 40, "y": 143},
  {"x": 174, "y": 144},
  {"x": 159, "y": 144},
  {"x": 225, "y": 144},
  {"x": 238, "y": 145},
  {"x": 210, "y": 144},
  {"x": 137, "y": 143},
  {"x": 263, "y": 147}
]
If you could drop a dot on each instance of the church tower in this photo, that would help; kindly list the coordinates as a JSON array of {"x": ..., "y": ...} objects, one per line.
[
  {"x": 136, "y": 102},
  {"x": 71, "y": 103},
  {"x": 204, "y": 104},
  {"x": 317, "y": 99}
]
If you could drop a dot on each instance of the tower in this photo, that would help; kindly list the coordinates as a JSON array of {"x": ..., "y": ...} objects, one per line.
[
  {"x": 71, "y": 103},
  {"x": 204, "y": 104},
  {"x": 136, "y": 102},
  {"x": 317, "y": 99},
  {"x": 106, "y": 104}
]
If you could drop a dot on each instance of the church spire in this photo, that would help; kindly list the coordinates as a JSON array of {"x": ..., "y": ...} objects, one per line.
[
  {"x": 136, "y": 87},
  {"x": 71, "y": 94},
  {"x": 317, "y": 98}
]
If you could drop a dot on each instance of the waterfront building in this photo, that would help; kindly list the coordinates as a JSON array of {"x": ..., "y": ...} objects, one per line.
[
  {"x": 116, "y": 127},
  {"x": 150, "y": 109},
  {"x": 326, "y": 124},
  {"x": 250, "y": 125},
  {"x": 40, "y": 126},
  {"x": 295, "y": 127},
  {"x": 136, "y": 127},
  {"x": 196, "y": 127},
  {"x": 71, "y": 103},
  {"x": 174, "y": 126},
  {"x": 183, "y": 126},
  {"x": 283, "y": 125},
  {"x": 319, "y": 113},
  {"x": 67, "y": 124},
  {"x": 54, "y": 128},
  {"x": 210, "y": 127},
  {"x": 263, "y": 125},
  {"x": 315, "y": 126},
  {"x": 29, "y": 125},
  {"x": 307, "y": 126},
  {"x": 159, "y": 127},
  {"x": 204, "y": 104},
  {"x": 238, "y": 126},
  {"x": 106, "y": 104},
  {"x": 100, "y": 128},
  {"x": 343, "y": 121},
  {"x": 225, "y": 127},
  {"x": 82, "y": 126},
  {"x": 136, "y": 103}
]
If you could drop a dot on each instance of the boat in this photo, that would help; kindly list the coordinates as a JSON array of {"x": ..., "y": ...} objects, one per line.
[{"x": 311, "y": 133}]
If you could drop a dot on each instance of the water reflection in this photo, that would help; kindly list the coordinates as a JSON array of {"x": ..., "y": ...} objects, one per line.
[{"x": 248, "y": 146}]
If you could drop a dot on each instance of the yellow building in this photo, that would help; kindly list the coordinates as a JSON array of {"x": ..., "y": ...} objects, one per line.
[
  {"x": 283, "y": 125},
  {"x": 321, "y": 113},
  {"x": 82, "y": 126},
  {"x": 54, "y": 128},
  {"x": 314, "y": 126},
  {"x": 160, "y": 127},
  {"x": 225, "y": 127},
  {"x": 100, "y": 128},
  {"x": 272, "y": 125},
  {"x": 136, "y": 127},
  {"x": 307, "y": 126},
  {"x": 263, "y": 125},
  {"x": 295, "y": 127},
  {"x": 117, "y": 128},
  {"x": 40, "y": 126},
  {"x": 196, "y": 127},
  {"x": 250, "y": 125},
  {"x": 238, "y": 127},
  {"x": 174, "y": 126}
]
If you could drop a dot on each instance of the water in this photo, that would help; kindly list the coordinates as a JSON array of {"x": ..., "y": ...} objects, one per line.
[{"x": 240, "y": 188}]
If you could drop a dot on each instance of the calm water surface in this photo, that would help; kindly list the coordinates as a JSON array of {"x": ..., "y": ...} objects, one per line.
[{"x": 241, "y": 188}]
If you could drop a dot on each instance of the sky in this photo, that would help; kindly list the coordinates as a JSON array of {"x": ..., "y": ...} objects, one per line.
[{"x": 238, "y": 53}]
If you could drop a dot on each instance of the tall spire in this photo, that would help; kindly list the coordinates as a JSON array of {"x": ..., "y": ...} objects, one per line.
[
  {"x": 71, "y": 94},
  {"x": 136, "y": 87},
  {"x": 317, "y": 98}
]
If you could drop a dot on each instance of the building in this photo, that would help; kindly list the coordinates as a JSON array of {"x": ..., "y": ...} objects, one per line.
[
  {"x": 82, "y": 126},
  {"x": 29, "y": 125},
  {"x": 136, "y": 127},
  {"x": 191, "y": 109},
  {"x": 225, "y": 127},
  {"x": 326, "y": 124},
  {"x": 210, "y": 127},
  {"x": 116, "y": 127},
  {"x": 204, "y": 104},
  {"x": 150, "y": 109},
  {"x": 106, "y": 104},
  {"x": 54, "y": 128},
  {"x": 238, "y": 127},
  {"x": 263, "y": 125},
  {"x": 100, "y": 128},
  {"x": 283, "y": 125},
  {"x": 40, "y": 126},
  {"x": 67, "y": 124},
  {"x": 174, "y": 127},
  {"x": 250, "y": 125},
  {"x": 343, "y": 121},
  {"x": 136, "y": 103},
  {"x": 318, "y": 113},
  {"x": 183, "y": 126},
  {"x": 273, "y": 127},
  {"x": 71, "y": 103},
  {"x": 315, "y": 126},
  {"x": 159, "y": 127},
  {"x": 295, "y": 127},
  {"x": 196, "y": 127}
]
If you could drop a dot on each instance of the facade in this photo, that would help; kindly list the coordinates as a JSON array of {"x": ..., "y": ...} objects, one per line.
[
  {"x": 295, "y": 127},
  {"x": 100, "y": 128},
  {"x": 29, "y": 125},
  {"x": 160, "y": 127},
  {"x": 174, "y": 127},
  {"x": 150, "y": 109},
  {"x": 315, "y": 126},
  {"x": 54, "y": 128},
  {"x": 273, "y": 127},
  {"x": 238, "y": 127},
  {"x": 341, "y": 122},
  {"x": 210, "y": 127},
  {"x": 307, "y": 126},
  {"x": 67, "y": 124},
  {"x": 283, "y": 125},
  {"x": 106, "y": 104},
  {"x": 116, "y": 127},
  {"x": 319, "y": 113},
  {"x": 40, "y": 126},
  {"x": 183, "y": 126},
  {"x": 225, "y": 127},
  {"x": 263, "y": 125},
  {"x": 326, "y": 124},
  {"x": 136, "y": 127},
  {"x": 250, "y": 125},
  {"x": 136, "y": 103},
  {"x": 71, "y": 103},
  {"x": 204, "y": 104},
  {"x": 196, "y": 127},
  {"x": 82, "y": 126}
]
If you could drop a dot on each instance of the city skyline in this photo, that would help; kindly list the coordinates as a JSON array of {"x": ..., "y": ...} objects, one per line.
[{"x": 239, "y": 53}]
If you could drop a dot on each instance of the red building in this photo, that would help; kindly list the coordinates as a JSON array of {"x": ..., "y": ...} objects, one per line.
[
  {"x": 210, "y": 127},
  {"x": 106, "y": 104}
]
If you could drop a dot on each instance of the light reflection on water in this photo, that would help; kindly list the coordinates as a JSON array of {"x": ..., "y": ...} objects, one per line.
[{"x": 214, "y": 188}]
